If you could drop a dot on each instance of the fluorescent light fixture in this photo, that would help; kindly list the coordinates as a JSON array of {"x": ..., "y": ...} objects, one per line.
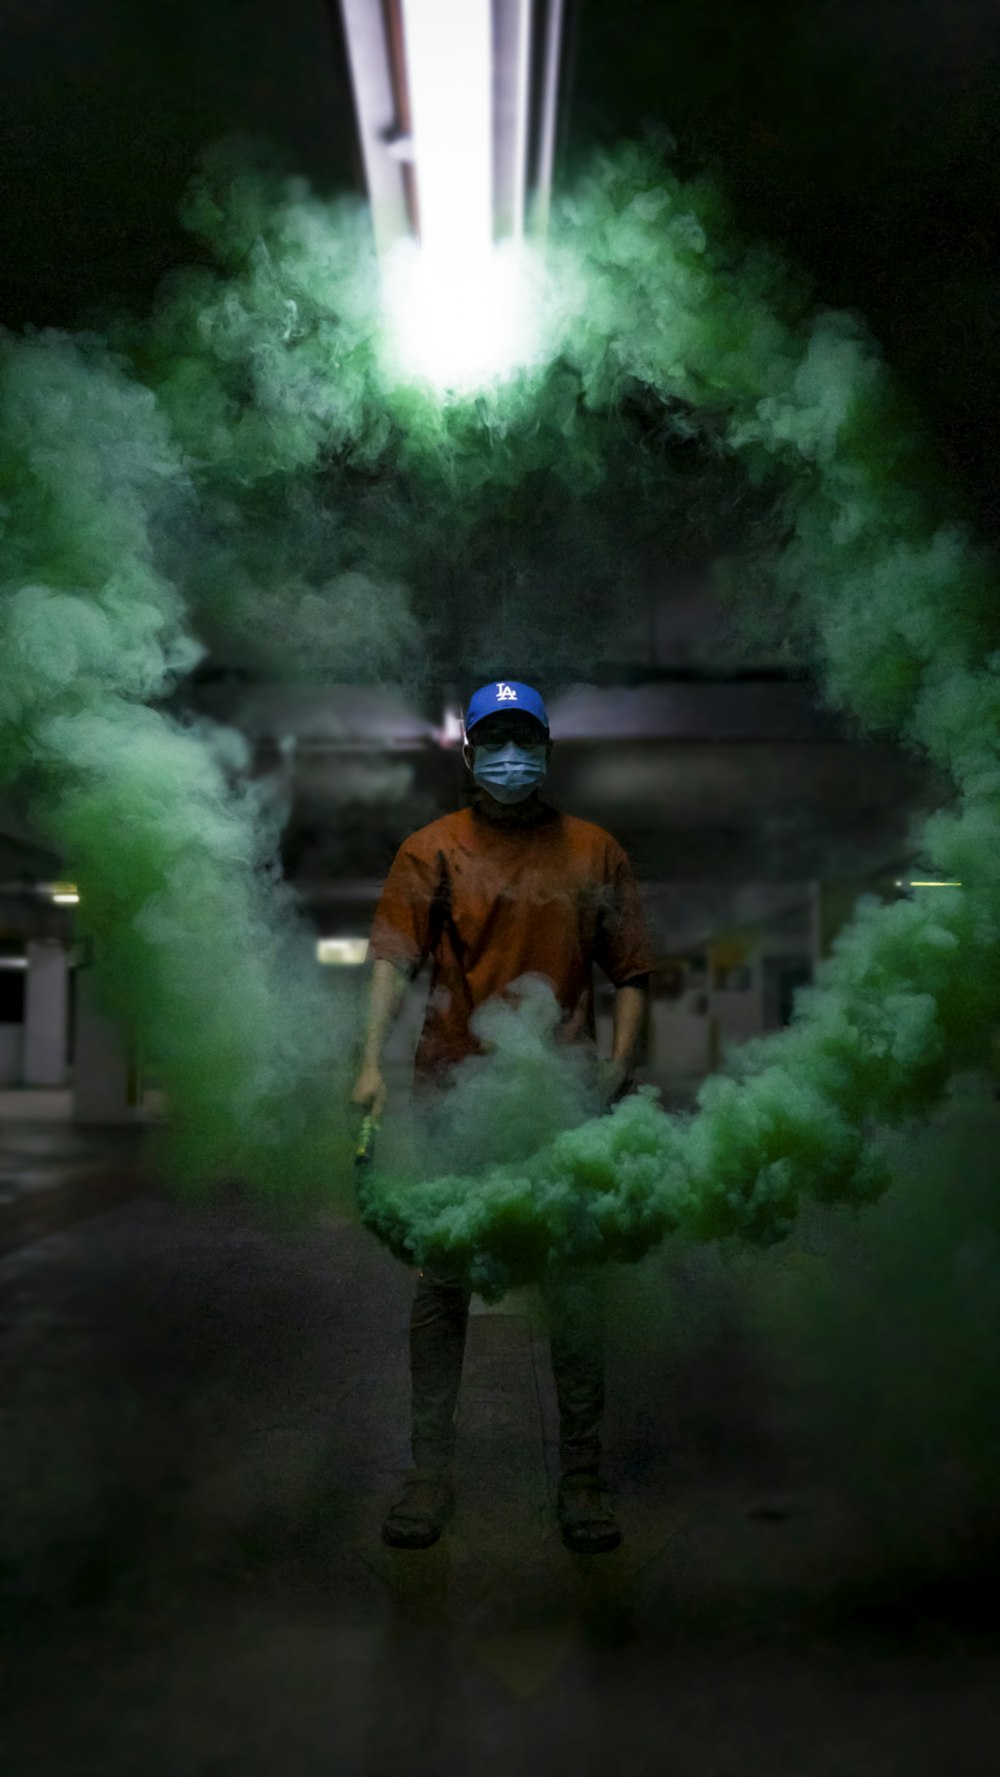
[
  {"x": 523, "y": 89},
  {"x": 900, "y": 884},
  {"x": 455, "y": 303},
  {"x": 64, "y": 894},
  {"x": 13, "y": 962},
  {"x": 449, "y": 72},
  {"x": 454, "y": 728},
  {"x": 463, "y": 332},
  {"x": 349, "y": 951}
]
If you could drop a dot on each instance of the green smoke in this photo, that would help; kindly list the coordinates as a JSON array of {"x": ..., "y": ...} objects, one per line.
[
  {"x": 244, "y": 469},
  {"x": 848, "y": 1371},
  {"x": 196, "y": 936},
  {"x": 899, "y": 605}
]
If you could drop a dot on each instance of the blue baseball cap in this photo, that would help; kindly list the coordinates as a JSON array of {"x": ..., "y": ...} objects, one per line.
[{"x": 501, "y": 695}]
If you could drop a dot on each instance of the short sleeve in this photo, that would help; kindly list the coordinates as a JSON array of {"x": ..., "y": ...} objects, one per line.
[
  {"x": 402, "y": 927},
  {"x": 624, "y": 947}
]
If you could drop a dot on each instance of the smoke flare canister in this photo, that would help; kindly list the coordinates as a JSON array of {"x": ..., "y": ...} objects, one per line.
[{"x": 364, "y": 1153}]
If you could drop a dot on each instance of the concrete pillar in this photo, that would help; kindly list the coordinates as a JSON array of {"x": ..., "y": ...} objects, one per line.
[
  {"x": 11, "y": 1054},
  {"x": 106, "y": 1084},
  {"x": 45, "y": 1013}
]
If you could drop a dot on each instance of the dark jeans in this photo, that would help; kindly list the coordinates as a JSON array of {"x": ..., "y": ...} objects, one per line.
[{"x": 438, "y": 1323}]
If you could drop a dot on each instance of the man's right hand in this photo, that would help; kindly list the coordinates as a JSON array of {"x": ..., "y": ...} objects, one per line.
[{"x": 370, "y": 1091}]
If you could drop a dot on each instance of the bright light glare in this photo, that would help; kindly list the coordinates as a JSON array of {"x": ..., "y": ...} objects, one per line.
[
  {"x": 448, "y": 65},
  {"x": 456, "y": 306},
  {"x": 464, "y": 330},
  {"x": 341, "y": 950}
]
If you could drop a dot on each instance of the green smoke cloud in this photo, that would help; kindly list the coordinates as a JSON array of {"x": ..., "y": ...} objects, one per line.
[
  {"x": 196, "y": 935},
  {"x": 899, "y": 605},
  {"x": 245, "y": 469}
]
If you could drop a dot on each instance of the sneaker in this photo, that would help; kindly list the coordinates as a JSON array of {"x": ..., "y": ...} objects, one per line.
[
  {"x": 420, "y": 1514},
  {"x": 585, "y": 1515}
]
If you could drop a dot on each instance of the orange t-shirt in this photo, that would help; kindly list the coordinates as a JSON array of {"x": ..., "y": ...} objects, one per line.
[{"x": 489, "y": 901}]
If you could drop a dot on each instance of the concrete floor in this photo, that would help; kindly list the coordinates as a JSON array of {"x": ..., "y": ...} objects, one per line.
[
  {"x": 52, "y": 1173},
  {"x": 202, "y": 1427}
]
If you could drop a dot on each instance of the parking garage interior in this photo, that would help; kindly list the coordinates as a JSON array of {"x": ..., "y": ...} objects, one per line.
[{"x": 204, "y": 1415}]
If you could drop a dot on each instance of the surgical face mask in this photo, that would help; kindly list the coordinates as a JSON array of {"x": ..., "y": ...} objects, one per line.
[{"x": 509, "y": 772}]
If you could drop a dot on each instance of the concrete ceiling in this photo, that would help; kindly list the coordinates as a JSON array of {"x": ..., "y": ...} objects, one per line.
[
  {"x": 891, "y": 208},
  {"x": 724, "y": 782}
]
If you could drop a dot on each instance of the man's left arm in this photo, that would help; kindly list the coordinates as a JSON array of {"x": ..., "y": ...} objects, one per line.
[
  {"x": 625, "y": 953},
  {"x": 628, "y": 1013}
]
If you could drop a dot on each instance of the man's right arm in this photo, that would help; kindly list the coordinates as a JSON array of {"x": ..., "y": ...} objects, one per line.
[
  {"x": 389, "y": 983},
  {"x": 401, "y": 937}
]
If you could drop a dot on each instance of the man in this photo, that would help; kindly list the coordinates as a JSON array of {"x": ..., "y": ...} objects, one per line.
[{"x": 507, "y": 887}]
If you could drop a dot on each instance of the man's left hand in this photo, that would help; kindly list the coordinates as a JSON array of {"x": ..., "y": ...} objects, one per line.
[{"x": 613, "y": 1080}]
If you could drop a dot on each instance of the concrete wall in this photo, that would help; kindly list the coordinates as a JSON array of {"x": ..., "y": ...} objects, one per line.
[
  {"x": 11, "y": 1054},
  {"x": 679, "y": 1040},
  {"x": 105, "y": 1086},
  {"x": 46, "y": 1008}
]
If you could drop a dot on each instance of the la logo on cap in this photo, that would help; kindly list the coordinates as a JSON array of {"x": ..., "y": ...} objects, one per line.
[{"x": 506, "y": 693}]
